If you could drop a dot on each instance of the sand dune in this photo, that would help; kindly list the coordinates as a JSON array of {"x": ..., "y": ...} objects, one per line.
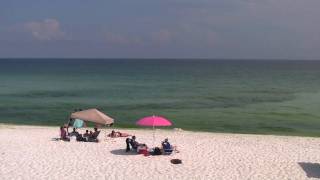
[{"x": 27, "y": 152}]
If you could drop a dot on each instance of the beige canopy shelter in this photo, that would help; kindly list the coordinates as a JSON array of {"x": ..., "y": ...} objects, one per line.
[{"x": 93, "y": 115}]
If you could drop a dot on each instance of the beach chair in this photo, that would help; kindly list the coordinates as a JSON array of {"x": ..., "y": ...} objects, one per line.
[
  {"x": 94, "y": 137},
  {"x": 167, "y": 148},
  {"x": 167, "y": 151}
]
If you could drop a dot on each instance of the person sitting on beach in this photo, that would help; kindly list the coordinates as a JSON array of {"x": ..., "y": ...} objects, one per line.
[
  {"x": 95, "y": 133},
  {"x": 63, "y": 134},
  {"x": 74, "y": 132},
  {"x": 133, "y": 143},
  {"x": 128, "y": 144},
  {"x": 86, "y": 134},
  {"x": 93, "y": 136},
  {"x": 80, "y": 138},
  {"x": 166, "y": 146}
]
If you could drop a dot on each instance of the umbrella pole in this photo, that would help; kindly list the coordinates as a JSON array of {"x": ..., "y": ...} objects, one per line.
[
  {"x": 105, "y": 132},
  {"x": 153, "y": 135}
]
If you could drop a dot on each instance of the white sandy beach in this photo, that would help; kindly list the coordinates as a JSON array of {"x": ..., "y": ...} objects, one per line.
[{"x": 27, "y": 152}]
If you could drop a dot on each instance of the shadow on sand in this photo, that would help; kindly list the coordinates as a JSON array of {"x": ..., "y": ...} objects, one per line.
[
  {"x": 312, "y": 169},
  {"x": 123, "y": 152}
]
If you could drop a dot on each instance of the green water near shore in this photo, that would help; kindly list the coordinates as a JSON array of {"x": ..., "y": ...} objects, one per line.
[{"x": 264, "y": 97}]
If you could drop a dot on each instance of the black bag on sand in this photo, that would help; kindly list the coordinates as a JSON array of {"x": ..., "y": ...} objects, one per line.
[
  {"x": 176, "y": 161},
  {"x": 157, "y": 151}
]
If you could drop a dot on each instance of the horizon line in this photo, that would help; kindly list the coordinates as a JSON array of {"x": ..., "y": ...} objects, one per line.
[{"x": 146, "y": 58}]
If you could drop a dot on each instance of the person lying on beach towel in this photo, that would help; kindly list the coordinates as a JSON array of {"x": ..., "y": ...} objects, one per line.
[{"x": 115, "y": 134}]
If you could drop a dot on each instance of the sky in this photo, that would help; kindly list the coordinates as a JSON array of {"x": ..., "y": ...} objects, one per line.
[{"x": 218, "y": 29}]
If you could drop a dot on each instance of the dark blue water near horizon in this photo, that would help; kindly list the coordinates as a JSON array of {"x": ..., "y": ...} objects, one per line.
[{"x": 243, "y": 96}]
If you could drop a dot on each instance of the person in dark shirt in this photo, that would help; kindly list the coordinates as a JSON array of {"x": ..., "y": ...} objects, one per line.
[
  {"x": 128, "y": 144},
  {"x": 133, "y": 143},
  {"x": 93, "y": 137},
  {"x": 74, "y": 133},
  {"x": 95, "y": 133},
  {"x": 86, "y": 134},
  {"x": 166, "y": 146}
]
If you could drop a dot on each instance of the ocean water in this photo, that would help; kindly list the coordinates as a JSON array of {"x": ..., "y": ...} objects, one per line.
[{"x": 243, "y": 96}]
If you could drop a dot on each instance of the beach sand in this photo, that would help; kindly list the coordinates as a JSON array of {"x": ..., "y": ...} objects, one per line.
[{"x": 27, "y": 152}]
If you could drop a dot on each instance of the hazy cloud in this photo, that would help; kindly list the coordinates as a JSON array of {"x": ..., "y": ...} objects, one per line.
[
  {"x": 162, "y": 36},
  {"x": 167, "y": 28},
  {"x": 48, "y": 29},
  {"x": 121, "y": 39}
]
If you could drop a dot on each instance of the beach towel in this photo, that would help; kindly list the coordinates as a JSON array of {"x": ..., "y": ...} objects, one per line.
[{"x": 78, "y": 123}]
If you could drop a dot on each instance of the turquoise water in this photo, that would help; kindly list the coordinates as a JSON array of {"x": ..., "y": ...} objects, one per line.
[{"x": 265, "y": 97}]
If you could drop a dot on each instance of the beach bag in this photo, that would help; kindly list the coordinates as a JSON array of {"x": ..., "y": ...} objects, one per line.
[
  {"x": 176, "y": 161},
  {"x": 157, "y": 151}
]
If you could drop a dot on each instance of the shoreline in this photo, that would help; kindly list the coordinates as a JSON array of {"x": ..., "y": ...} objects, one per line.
[{"x": 164, "y": 129}]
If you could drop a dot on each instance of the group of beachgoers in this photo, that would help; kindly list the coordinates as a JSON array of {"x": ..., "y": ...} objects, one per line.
[
  {"x": 88, "y": 136},
  {"x": 166, "y": 148},
  {"x": 131, "y": 143}
]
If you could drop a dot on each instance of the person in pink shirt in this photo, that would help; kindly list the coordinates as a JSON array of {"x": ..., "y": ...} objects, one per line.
[{"x": 63, "y": 134}]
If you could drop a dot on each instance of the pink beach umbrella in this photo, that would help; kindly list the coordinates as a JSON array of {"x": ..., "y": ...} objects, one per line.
[{"x": 154, "y": 121}]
